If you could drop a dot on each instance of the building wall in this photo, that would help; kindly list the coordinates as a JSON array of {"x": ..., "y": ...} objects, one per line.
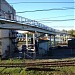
[
  {"x": 0, "y": 47},
  {"x": 4, "y": 40},
  {"x": 43, "y": 47},
  {"x": 5, "y": 44},
  {"x": 8, "y": 12},
  {"x": 4, "y": 33}
]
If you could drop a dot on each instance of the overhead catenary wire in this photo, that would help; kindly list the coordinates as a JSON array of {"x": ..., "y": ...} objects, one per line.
[
  {"x": 55, "y": 17},
  {"x": 58, "y": 20},
  {"x": 61, "y": 26},
  {"x": 51, "y": 9},
  {"x": 41, "y": 2}
]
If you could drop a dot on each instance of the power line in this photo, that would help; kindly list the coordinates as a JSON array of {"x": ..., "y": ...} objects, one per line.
[
  {"x": 39, "y": 2},
  {"x": 63, "y": 8},
  {"x": 62, "y": 25},
  {"x": 55, "y": 17},
  {"x": 58, "y": 20}
]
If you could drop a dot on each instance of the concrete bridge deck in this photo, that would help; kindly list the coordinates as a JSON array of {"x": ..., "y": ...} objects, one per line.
[{"x": 21, "y": 23}]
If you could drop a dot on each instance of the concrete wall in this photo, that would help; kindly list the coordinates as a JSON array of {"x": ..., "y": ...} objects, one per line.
[
  {"x": 4, "y": 33},
  {"x": 0, "y": 46},
  {"x": 5, "y": 44},
  {"x": 4, "y": 40},
  {"x": 7, "y": 11},
  {"x": 43, "y": 47},
  {"x": 62, "y": 53}
]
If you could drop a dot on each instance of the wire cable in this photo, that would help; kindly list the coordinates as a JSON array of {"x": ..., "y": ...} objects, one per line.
[
  {"x": 55, "y": 17},
  {"x": 58, "y": 20},
  {"x": 40, "y": 2},
  {"x": 63, "y": 8}
]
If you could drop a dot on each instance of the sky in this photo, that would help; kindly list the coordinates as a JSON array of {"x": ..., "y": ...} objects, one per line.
[{"x": 52, "y": 18}]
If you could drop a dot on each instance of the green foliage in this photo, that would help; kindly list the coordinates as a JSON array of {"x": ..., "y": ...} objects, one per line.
[
  {"x": 72, "y": 32},
  {"x": 23, "y": 72},
  {"x": 11, "y": 61},
  {"x": 1, "y": 69},
  {"x": 69, "y": 70},
  {"x": 11, "y": 70}
]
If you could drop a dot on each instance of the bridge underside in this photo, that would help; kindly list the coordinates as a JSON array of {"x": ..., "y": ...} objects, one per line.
[{"x": 8, "y": 24}]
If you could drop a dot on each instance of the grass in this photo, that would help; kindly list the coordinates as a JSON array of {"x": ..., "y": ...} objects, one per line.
[
  {"x": 15, "y": 60},
  {"x": 1, "y": 69},
  {"x": 70, "y": 70},
  {"x": 11, "y": 70},
  {"x": 67, "y": 70},
  {"x": 11, "y": 61}
]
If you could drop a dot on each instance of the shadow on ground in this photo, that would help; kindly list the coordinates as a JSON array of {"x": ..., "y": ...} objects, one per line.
[{"x": 41, "y": 69}]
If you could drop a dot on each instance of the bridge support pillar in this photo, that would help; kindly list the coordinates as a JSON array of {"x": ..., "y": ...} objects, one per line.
[
  {"x": 50, "y": 40},
  {"x": 34, "y": 54},
  {"x": 26, "y": 40},
  {"x": 59, "y": 38},
  {"x": 54, "y": 40},
  {"x": 34, "y": 40}
]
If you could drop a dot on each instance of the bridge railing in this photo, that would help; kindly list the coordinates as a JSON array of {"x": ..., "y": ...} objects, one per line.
[
  {"x": 33, "y": 23},
  {"x": 28, "y": 21},
  {"x": 23, "y": 20}
]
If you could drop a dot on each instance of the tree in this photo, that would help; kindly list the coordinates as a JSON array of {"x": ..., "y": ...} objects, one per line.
[{"x": 72, "y": 32}]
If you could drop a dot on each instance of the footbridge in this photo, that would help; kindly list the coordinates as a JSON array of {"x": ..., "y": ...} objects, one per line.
[
  {"x": 25, "y": 24},
  {"x": 21, "y": 23}
]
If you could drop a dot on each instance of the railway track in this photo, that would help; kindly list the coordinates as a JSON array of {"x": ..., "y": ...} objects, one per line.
[{"x": 40, "y": 64}]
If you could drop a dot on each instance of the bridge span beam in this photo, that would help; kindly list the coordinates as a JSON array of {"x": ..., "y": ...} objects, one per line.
[{"x": 8, "y": 24}]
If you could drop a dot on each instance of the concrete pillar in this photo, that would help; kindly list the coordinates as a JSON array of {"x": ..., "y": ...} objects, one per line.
[
  {"x": 54, "y": 40},
  {"x": 63, "y": 38},
  {"x": 34, "y": 38},
  {"x": 66, "y": 38},
  {"x": 50, "y": 40},
  {"x": 34, "y": 54},
  {"x": 26, "y": 40},
  {"x": 36, "y": 41},
  {"x": 59, "y": 38}
]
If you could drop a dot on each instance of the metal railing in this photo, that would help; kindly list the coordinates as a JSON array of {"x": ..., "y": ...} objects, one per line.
[{"x": 23, "y": 20}]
